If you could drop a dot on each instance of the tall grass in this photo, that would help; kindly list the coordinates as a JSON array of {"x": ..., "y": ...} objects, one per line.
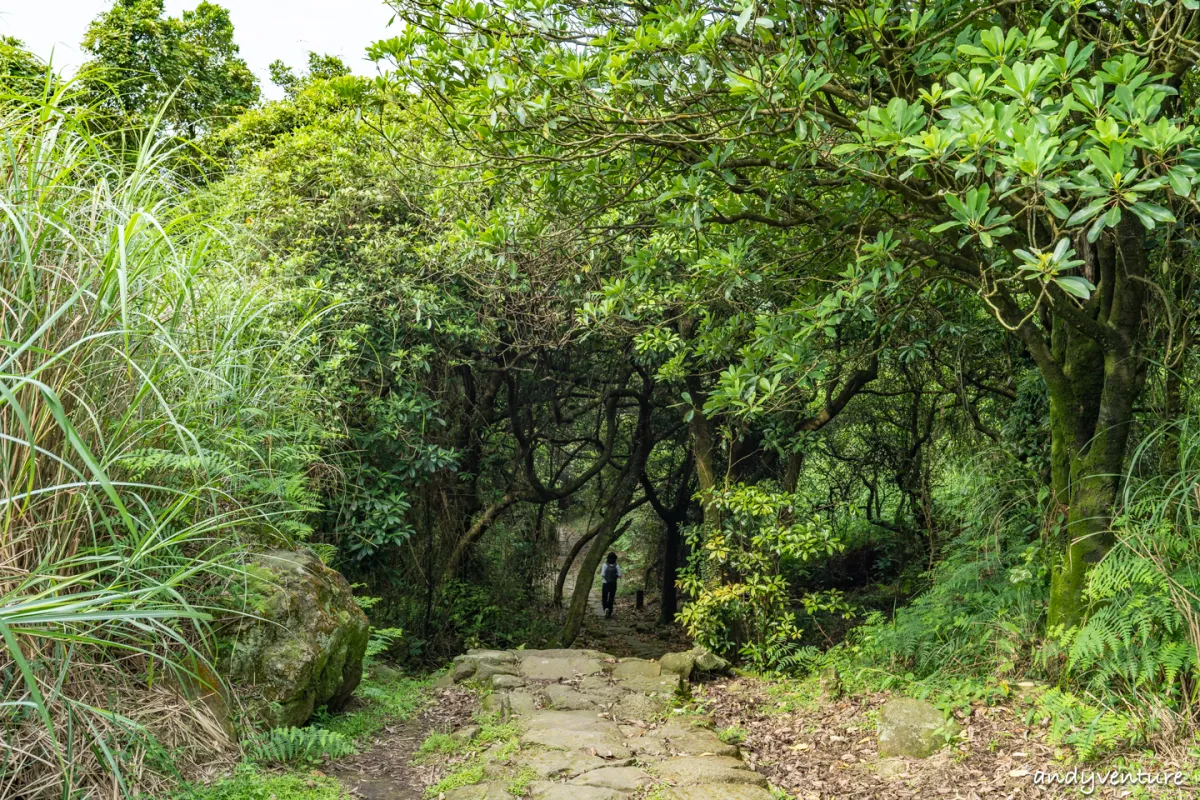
[{"x": 154, "y": 421}]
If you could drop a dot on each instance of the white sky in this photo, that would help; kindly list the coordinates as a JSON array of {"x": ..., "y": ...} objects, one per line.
[{"x": 264, "y": 29}]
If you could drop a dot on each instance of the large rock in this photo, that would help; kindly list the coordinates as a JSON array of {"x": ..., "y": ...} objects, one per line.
[
  {"x": 561, "y": 764},
  {"x": 636, "y": 668},
  {"x": 913, "y": 729},
  {"x": 665, "y": 684},
  {"x": 480, "y": 791},
  {"x": 507, "y": 682},
  {"x": 678, "y": 663},
  {"x": 486, "y": 670},
  {"x": 303, "y": 647},
  {"x": 552, "y": 665},
  {"x": 639, "y": 707},
  {"x": 564, "y": 698},
  {"x": 541, "y": 790},
  {"x": 705, "y": 662},
  {"x": 689, "y": 740},
  {"x": 622, "y": 779}
]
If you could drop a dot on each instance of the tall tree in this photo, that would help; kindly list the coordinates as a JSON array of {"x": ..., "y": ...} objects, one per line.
[{"x": 143, "y": 62}]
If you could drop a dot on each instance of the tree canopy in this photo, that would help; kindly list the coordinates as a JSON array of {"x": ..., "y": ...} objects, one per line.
[{"x": 144, "y": 63}]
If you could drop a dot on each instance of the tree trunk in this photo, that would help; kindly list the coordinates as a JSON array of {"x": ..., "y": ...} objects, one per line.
[
  {"x": 669, "y": 597},
  {"x": 703, "y": 449},
  {"x": 1086, "y": 480},
  {"x": 608, "y": 531},
  {"x": 474, "y": 533},
  {"x": 1091, "y": 413}
]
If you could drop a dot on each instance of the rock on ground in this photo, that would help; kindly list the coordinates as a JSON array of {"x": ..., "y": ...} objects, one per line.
[
  {"x": 913, "y": 729},
  {"x": 303, "y": 647}
]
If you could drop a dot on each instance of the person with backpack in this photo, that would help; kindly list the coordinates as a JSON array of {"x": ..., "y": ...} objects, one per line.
[{"x": 608, "y": 588}]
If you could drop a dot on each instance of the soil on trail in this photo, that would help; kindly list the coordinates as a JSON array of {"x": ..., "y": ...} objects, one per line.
[
  {"x": 594, "y": 727},
  {"x": 384, "y": 770},
  {"x": 629, "y": 633}
]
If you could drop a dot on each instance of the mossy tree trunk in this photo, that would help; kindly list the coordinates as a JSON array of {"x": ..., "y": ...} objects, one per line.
[{"x": 1094, "y": 375}]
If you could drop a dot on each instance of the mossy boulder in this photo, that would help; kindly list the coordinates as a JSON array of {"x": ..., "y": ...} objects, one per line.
[
  {"x": 913, "y": 729},
  {"x": 300, "y": 646}
]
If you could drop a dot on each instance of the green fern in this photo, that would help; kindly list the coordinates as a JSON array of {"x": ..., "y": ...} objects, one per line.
[
  {"x": 382, "y": 639},
  {"x": 298, "y": 746},
  {"x": 1087, "y": 728},
  {"x": 1136, "y": 637}
]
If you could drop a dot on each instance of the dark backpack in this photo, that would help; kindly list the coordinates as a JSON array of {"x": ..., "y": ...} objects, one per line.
[{"x": 610, "y": 573}]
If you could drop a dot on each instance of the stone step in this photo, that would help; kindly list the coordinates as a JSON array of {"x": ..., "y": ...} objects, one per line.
[{"x": 595, "y": 727}]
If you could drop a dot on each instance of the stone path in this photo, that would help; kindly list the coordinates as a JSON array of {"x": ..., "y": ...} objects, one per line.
[{"x": 594, "y": 727}]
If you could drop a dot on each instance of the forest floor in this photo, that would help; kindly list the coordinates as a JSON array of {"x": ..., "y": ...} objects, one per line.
[{"x": 821, "y": 748}]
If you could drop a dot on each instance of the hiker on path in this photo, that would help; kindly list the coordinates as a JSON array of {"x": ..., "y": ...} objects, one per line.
[{"x": 608, "y": 589}]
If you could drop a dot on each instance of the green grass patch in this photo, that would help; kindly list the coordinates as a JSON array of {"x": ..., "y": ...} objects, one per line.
[
  {"x": 495, "y": 742},
  {"x": 734, "y": 734},
  {"x": 438, "y": 744},
  {"x": 792, "y": 695},
  {"x": 518, "y": 785},
  {"x": 383, "y": 702},
  {"x": 467, "y": 775},
  {"x": 249, "y": 783}
]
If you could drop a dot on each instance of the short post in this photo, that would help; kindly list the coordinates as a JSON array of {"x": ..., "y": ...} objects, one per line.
[{"x": 641, "y": 599}]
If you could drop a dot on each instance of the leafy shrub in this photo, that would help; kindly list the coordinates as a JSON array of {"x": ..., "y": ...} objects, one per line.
[{"x": 740, "y": 598}]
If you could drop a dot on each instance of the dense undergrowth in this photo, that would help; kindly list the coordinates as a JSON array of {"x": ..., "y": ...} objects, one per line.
[
  {"x": 154, "y": 423},
  {"x": 1125, "y": 678},
  {"x": 285, "y": 763}
]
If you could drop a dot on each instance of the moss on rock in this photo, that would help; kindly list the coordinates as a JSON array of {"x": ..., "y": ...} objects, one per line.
[{"x": 301, "y": 643}]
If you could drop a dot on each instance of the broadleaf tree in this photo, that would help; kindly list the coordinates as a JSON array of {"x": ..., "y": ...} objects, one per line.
[
  {"x": 144, "y": 62},
  {"x": 797, "y": 180}
]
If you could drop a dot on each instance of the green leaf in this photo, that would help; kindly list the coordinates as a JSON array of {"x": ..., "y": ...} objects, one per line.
[
  {"x": 1155, "y": 212},
  {"x": 1075, "y": 285},
  {"x": 1056, "y": 208},
  {"x": 1086, "y": 213},
  {"x": 1180, "y": 183}
]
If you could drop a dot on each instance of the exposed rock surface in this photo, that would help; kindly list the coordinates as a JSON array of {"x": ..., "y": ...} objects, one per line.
[
  {"x": 594, "y": 727},
  {"x": 303, "y": 646},
  {"x": 913, "y": 729}
]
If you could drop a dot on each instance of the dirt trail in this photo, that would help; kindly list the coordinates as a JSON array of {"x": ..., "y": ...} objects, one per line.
[
  {"x": 630, "y": 632},
  {"x": 384, "y": 771}
]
